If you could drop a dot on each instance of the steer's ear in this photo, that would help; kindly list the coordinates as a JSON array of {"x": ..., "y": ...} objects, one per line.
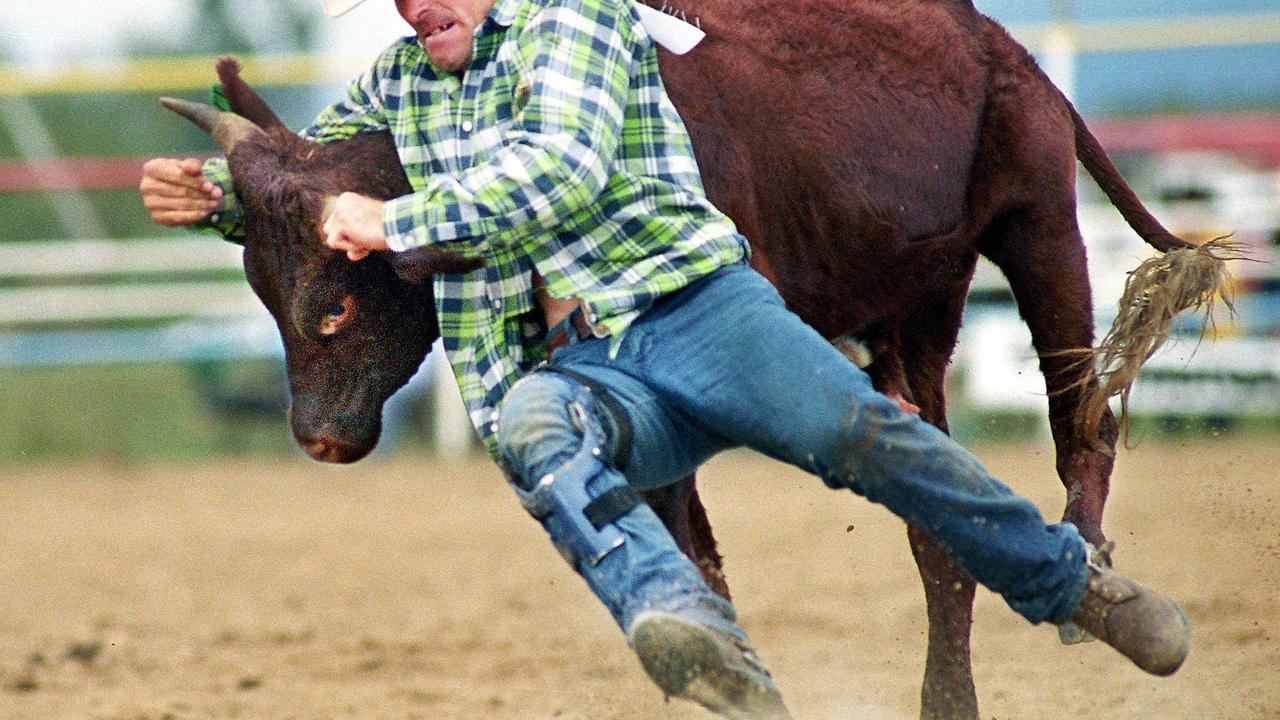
[
  {"x": 242, "y": 99},
  {"x": 419, "y": 264}
]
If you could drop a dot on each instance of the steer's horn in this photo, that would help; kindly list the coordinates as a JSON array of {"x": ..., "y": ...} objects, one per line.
[{"x": 226, "y": 128}]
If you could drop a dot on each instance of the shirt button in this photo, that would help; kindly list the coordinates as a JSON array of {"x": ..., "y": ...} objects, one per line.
[
  {"x": 466, "y": 126},
  {"x": 497, "y": 303}
]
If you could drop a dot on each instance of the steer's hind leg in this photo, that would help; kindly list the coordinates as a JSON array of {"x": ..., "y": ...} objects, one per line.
[{"x": 1043, "y": 257}]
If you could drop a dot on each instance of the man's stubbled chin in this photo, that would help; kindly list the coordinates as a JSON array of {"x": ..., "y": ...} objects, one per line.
[{"x": 445, "y": 39}]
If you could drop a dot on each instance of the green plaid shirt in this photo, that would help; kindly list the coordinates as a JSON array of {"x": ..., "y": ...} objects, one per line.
[{"x": 558, "y": 150}]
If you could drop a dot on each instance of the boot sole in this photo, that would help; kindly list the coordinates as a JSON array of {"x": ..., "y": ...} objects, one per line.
[{"x": 687, "y": 661}]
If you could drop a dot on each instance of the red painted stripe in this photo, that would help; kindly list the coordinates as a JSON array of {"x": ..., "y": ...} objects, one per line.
[
  {"x": 104, "y": 173},
  {"x": 1252, "y": 136},
  {"x": 1255, "y": 136}
]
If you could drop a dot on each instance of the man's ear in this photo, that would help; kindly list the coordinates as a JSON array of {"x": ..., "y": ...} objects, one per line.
[{"x": 416, "y": 266}]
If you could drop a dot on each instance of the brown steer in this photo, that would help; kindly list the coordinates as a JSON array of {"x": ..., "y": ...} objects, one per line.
[{"x": 870, "y": 151}]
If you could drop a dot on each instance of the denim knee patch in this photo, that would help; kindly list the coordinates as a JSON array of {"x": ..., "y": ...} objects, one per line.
[{"x": 535, "y": 432}]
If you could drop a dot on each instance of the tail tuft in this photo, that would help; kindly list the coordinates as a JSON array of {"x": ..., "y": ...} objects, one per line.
[{"x": 1155, "y": 293}]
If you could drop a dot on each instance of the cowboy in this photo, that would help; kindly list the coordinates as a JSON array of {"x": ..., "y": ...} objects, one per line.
[{"x": 538, "y": 136}]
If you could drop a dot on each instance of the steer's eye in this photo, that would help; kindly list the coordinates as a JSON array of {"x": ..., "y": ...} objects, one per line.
[{"x": 337, "y": 315}]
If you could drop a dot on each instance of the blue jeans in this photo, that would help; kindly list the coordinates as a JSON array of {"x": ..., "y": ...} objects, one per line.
[{"x": 722, "y": 363}]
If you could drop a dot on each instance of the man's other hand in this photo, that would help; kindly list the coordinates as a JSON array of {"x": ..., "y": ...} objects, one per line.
[
  {"x": 353, "y": 224},
  {"x": 176, "y": 193}
]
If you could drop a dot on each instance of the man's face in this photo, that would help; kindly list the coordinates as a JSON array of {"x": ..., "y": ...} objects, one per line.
[{"x": 445, "y": 28}]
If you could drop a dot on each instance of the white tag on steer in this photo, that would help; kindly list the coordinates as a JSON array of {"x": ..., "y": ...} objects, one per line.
[{"x": 668, "y": 31}]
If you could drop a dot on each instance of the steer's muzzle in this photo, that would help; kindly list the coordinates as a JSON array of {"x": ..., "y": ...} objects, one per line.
[{"x": 335, "y": 441}]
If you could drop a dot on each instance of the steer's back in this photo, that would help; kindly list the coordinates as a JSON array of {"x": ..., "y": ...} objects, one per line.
[{"x": 855, "y": 122}]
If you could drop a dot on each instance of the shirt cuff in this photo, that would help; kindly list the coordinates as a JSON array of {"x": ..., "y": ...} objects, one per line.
[
  {"x": 228, "y": 218},
  {"x": 402, "y": 226},
  {"x": 433, "y": 217}
]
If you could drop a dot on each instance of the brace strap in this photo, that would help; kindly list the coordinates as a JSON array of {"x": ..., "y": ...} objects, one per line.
[{"x": 611, "y": 505}]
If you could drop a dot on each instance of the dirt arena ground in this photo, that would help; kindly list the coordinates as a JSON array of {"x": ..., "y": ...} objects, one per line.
[{"x": 402, "y": 589}]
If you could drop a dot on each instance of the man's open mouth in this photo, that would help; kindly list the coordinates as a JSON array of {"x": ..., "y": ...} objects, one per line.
[{"x": 438, "y": 30}]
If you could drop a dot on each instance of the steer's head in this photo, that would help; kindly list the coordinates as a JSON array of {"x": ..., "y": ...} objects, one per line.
[{"x": 353, "y": 333}]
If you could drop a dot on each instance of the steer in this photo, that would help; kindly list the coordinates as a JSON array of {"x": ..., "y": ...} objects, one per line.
[{"x": 869, "y": 151}]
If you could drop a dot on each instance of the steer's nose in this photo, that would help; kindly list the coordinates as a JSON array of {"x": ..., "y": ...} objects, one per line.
[
  {"x": 326, "y": 444},
  {"x": 326, "y": 449}
]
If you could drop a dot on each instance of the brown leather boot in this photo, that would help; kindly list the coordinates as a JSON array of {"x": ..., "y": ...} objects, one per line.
[{"x": 1145, "y": 626}]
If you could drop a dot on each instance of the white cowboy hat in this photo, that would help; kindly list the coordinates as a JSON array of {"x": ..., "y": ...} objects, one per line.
[{"x": 334, "y": 8}]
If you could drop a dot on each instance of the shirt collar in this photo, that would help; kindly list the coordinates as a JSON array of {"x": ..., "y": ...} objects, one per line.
[{"x": 504, "y": 11}]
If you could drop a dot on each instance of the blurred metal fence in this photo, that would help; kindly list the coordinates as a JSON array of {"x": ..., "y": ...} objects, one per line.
[{"x": 137, "y": 300}]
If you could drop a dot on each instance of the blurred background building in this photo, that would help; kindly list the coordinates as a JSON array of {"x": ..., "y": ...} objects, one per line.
[{"x": 121, "y": 339}]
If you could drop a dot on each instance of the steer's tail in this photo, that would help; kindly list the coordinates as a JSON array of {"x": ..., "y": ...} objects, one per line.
[
  {"x": 1090, "y": 153},
  {"x": 1186, "y": 276}
]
